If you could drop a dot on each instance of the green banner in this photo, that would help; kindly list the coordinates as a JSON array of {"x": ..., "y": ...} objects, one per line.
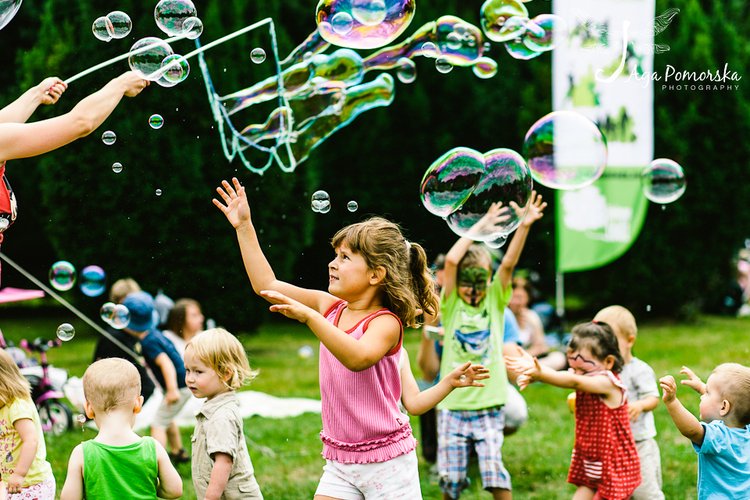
[{"x": 597, "y": 224}]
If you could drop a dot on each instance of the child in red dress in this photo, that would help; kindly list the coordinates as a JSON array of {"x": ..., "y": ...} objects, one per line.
[{"x": 604, "y": 463}]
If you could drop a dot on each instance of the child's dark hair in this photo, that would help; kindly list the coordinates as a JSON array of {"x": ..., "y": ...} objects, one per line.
[
  {"x": 598, "y": 338},
  {"x": 408, "y": 284}
]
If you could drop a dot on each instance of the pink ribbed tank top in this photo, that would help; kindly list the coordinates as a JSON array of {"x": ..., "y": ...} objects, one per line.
[{"x": 362, "y": 422}]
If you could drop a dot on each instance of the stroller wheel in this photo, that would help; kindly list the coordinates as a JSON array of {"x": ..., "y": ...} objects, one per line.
[{"x": 55, "y": 416}]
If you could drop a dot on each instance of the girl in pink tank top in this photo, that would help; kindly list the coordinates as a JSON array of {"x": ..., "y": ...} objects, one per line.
[
  {"x": 378, "y": 283},
  {"x": 604, "y": 462}
]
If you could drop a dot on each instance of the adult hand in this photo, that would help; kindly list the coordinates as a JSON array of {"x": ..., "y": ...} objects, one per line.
[
  {"x": 133, "y": 83},
  {"x": 236, "y": 208},
  {"x": 50, "y": 89}
]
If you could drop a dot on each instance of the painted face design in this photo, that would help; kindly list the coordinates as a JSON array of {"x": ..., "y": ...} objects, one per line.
[
  {"x": 581, "y": 364},
  {"x": 476, "y": 279}
]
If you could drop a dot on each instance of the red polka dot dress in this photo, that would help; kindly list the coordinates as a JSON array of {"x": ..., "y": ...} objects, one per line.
[{"x": 604, "y": 455}]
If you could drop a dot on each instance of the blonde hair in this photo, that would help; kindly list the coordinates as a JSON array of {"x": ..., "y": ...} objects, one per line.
[
  {"x": 224, "y": 354},
  {"x": 620, "y": 319},
  {"x": 13, "y": 385},
  {"x": 736, "y": 388},
  {"x": 476, "y": 255},
  {"x": 121, "y": 288},
  {"x": 111, "y": 383},
  {"x": 408, "y": 286}
]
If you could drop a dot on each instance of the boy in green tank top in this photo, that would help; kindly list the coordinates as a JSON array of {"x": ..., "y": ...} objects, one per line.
[{"x": 118, "y": 463}]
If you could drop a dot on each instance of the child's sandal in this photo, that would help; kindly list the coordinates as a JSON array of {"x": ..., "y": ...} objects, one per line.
[{"x": 180, "y": 457}]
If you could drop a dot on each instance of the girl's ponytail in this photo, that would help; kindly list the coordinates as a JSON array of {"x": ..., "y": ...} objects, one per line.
[{"x": 422, "y": 281}]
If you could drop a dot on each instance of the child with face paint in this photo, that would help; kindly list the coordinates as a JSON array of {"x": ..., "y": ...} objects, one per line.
[
  {"x": 604, "y": 462},
  {"x": 472, "y": 305}
]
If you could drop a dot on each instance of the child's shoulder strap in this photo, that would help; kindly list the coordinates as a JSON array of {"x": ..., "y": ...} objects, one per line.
[{"x": 387, "y": 312}]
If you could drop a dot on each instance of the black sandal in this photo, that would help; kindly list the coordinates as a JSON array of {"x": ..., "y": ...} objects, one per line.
[{"x": 180, "y": 457}]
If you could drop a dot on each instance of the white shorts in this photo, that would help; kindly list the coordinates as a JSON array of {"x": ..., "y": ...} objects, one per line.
[
  {"x": 650, "y": 487},
  {"x": 396, "y": 478},
  {"x": 167, "y": 413}
]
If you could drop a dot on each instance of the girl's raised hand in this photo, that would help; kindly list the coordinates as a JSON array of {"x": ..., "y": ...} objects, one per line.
[
  {"x": 693, "y": 381},
  {"x": 468, "y": 375},
  {"x": 235, "y": 206},
  {"x": 287, "y": 306},
  {"x": 536, "y": 209}
]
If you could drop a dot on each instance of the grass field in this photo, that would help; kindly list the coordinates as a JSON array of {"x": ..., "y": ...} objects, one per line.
[{"x": 286, "y": 452}]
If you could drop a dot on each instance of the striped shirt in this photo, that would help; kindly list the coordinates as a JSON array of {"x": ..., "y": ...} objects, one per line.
[{"x": 362, "y": 422}]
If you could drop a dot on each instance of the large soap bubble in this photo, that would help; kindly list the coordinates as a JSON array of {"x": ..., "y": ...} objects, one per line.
[
  {"x": 147, "y": 55},
  {"x": 506, "y": 180},
  {"x": 170, "y": 15},
  {"x": 663, "y": 181},
  {"x": 8, "y": 9},
  {"x": 450, "y": 180},
  {"x": 565, "y": 150},
  {"x": 496, "y": 13},
  {"x": 363, "y": 24},
  {"x": 119, "y": 24}
]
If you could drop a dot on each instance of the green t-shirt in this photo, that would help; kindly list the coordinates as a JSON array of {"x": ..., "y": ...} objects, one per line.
[
  {"x": 10, "y": 442},
  {"x": 111, "y": 472},
  {"x": 475, "y": 334}
]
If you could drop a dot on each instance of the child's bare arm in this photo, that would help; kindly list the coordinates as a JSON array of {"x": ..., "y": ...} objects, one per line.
[
  {"x": 169, "y": 373},
  {"x": 29, "y": 443},
  {"x": 219, "y": 476},
  {"x": 686, "y": 423},
  {"x": 518, "y": 241},
  {"x": 531, "y": 368},
  {"x": 693, "y": 381},
  {"x": 73, "y": 487},
  {"x": 170, "y": 482}
]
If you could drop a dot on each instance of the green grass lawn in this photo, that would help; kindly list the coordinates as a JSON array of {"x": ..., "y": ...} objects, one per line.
[{"x": 286, "y": 452}]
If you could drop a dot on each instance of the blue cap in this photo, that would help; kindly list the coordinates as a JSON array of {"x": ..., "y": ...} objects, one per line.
[{"x": 141, "y": 307}]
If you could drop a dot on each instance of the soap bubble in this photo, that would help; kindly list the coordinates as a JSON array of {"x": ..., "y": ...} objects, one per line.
[
  {"x": 663, "y": 181},
  {"x": 158, "y": 192},
  {"x": 520, "y": 50},
  {"x": 170, "y": 15},
  {"x": 117, "y": 167},
  {"x": 109, "y": 137},
  {"x": 146, "y": 56},
  {"x": 156, "y": 121},
  {"x": 320, "y": 202},
  {"x": 552, "y": 28},
  {"x": 429, "y": 49},
  {"x": 363, "y": 24},
  {"x": 8, "y": 9},
  {"x": 498, "y": 242},
  {"x": 305, "y": 352},
  {"x": 107, "y": 312},
  {"x": 92, "y": 281},
  {"x": 495, "y": 17},
  {"x": 100, "y": 30},
  {"x": 65, "y": 332},
  {"x": 62, "y": 275},
  {"x": 118, "y": 24},
  {"x": 257, "y": 55},
  {"x": 450, "y": 180},
  {"x": 443, "y": 65},
  {"x": 192, "y": 27},
  {"x": 485, "y": 68},
  {"x": 407, "y": 70},
  {"x": 352, "y": 206},
  {"x": 120, "y": 317},
  {"x": 565, "y": 150},
  {"x": 175, "y": 68}
]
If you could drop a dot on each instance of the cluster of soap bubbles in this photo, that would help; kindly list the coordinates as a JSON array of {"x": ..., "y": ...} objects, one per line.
[
  {"x": 63, "y": 277},
  {"x": 463, "y": 184},
  {"x": 508, "y": 21},
  {"x": 320, "y": 203},
  {"x": 663, "y": 181},
  {"x": 363, "y": 24},
  {"x": 116, "y": 24},
  {"x": 115, "y": 315}
]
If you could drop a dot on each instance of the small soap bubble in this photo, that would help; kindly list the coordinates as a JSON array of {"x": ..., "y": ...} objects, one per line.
[
  {"x": 158, "y": 192},
  {"x": 120, "y": 318},
  {"x": 119, "y": 24},
  {"x": 175, "y": 69},
  {"x": 100, "y": 30},
  {"x": 341, "y": 23},
  {"x": 81, "y": 419},
  {"x": 257, "y": 55},
  {"x": 443, "y": 65},
  {"x": 62, "y": 275},
  {"x": 93, "y": 281},
  {"x": 429, "y": 49},
  {"x": 305, "y": 352},
  {"x": 320, "y": 202},
  {"x": 66, "y": 332},
  {"x": 109, "y": 137},
  {"x": 663, "y": 181},
  {"x": 117, "y": 167},
  {"x": 352, "y": 206},
  {"x": 648, "y": 308},
  {"x": 156, "y": 121},
  {"x": 193, "y": 27},
  {"x": 407, "y": 70},
  {"x": 107, "y": 312}
]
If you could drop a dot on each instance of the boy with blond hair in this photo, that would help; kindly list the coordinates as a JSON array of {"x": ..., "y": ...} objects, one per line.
[
  {"x": 721, "y": 437},
  {"x": 643, "y": 398},
  {"x": 117, "y": 463}
]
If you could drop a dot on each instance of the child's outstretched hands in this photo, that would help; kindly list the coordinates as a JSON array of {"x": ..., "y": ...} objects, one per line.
[
  {"x": 287, "y": 306},
  {"x": 235, "y": 206},
  {"x": 693, "y": 381},
  {"x": 490, "y": 222},
  {"x": 668, "y": 388},
  {"x": 468, "y": 375},
  {"x": 526, "y": 366},
  {"x": 535, "y": 210}
]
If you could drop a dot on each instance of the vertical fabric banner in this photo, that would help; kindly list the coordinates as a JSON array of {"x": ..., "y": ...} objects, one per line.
[{"x": 602, "y": 69}]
